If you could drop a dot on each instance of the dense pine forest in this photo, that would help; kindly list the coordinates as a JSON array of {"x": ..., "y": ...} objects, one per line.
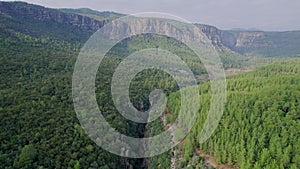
[{"x": 260, "y": 124}]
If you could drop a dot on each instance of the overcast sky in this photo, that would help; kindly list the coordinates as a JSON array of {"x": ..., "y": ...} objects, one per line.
[{"x": 275, "y": 15}]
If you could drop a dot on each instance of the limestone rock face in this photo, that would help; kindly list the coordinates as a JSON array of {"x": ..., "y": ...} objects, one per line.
[
  {"x": 20, "y": 9},
  {"x": 256, "y": 43}
]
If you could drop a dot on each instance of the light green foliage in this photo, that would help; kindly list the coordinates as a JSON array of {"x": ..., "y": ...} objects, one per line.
[
  {"x": 27, "y": 156},
  {"x": 260, "y": 124}
]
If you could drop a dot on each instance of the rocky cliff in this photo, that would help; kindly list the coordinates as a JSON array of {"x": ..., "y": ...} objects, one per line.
[
  {"x": 24, "y": 10},
  {"x": 40, "y": 21},
  {"x": 256, "y": 43}
]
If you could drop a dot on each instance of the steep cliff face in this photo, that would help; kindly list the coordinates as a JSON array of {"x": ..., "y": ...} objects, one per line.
[
  {"x": 24, "y": 10},
  {"x": 249, "y": 39},
  {"x": 78, "y": 25},
  {"x": 235, "y": 40},
  {"x": 256, "y": 43},
  {"x": 43, "y": 22},
  {"x": 212, "y": 33},
  {"x": 270, "y": 44},
  {"x": 218, "y": 37}
]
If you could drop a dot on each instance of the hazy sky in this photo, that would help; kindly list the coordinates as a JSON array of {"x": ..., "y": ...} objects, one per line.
[{"x": 225, "y": 14}]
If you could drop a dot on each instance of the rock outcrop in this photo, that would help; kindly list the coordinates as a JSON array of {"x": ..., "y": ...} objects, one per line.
[{"x": 257, "y": 43}]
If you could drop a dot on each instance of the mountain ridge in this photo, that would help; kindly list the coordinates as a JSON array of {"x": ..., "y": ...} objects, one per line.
[{"x": 87, "y": 21}]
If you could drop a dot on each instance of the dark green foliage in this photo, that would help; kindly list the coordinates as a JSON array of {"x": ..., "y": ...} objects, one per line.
[
  {"x": 162, "y": 161},
  {"x": 141, "y": 86},
  {"x": 37, "y": 109},
  {"x": 39, "y": 127}
]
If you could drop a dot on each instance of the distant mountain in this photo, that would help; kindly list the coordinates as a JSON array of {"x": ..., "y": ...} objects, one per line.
[
  {"x": 72, "y": 25},
  {"x": 256, "y": 43},
  {"x": 260, "y": 43},
  {"x": 243, "y": 29},
  {"x": 79, "y": 24}
]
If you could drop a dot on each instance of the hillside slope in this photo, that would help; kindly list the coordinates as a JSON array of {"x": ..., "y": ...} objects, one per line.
[{"x": 261, "y": 122}]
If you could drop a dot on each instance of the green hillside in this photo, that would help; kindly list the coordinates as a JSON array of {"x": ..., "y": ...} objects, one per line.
[
  {"x": 260, "y": 125},
  {"x": 39, "y": 127},
  {"x": 93, "y": 14},
  {"x": 38, "y": 121}
]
